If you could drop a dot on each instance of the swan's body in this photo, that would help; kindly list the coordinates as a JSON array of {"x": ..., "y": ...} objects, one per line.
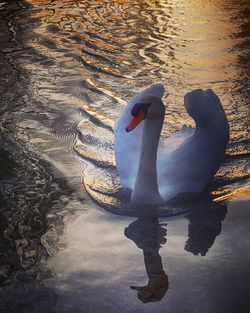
[{"x": 157, "y": 171}]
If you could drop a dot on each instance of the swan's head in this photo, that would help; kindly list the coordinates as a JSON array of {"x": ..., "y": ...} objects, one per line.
[
  {"x": 149, "y": 107},
  {"x": 203, "y": 105}
]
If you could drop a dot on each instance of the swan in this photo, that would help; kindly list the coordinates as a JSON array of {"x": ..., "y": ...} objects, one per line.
[{"x": 157, "y": 171}]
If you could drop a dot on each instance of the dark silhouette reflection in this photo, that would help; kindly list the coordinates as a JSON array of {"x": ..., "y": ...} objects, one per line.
[
  {"x": 205, "y": 223},
  {"x": 148, "y": 234},
  {"x": 205, "y": 219},
  {"x": 203, "y": 228}
]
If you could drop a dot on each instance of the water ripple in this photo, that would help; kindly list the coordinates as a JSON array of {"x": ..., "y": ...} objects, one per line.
[{"x": 87, "y": 58}]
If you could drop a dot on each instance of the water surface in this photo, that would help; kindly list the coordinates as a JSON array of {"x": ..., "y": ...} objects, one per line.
[{"x": 68, "y": 68}]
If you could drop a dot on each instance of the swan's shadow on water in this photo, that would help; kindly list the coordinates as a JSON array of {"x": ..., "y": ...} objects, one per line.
[{"x": 149, "y": 235}]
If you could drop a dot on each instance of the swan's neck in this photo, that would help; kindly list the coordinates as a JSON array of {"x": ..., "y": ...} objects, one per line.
[{"x": 146, "y": 188}]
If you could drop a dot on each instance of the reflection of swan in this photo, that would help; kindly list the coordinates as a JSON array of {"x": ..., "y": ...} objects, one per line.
[
  {"x": 185, "y": 162},
  {"x": 149, "y": 235},
  {"x": 204, "y": 226}
]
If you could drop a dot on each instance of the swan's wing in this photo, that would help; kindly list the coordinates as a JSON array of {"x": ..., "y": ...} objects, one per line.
[
  {"x": 127, "y": 145},
  {"x": 174, "y": 141},
  {"x": 166, "y": 161},
  {"x": 196, "y": 158}
]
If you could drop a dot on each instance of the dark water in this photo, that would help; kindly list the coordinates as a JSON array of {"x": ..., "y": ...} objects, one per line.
[{"x": 67, "y": 68}]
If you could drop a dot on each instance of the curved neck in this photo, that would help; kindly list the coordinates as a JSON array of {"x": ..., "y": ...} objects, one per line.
[{"x": 146, "y": 188}]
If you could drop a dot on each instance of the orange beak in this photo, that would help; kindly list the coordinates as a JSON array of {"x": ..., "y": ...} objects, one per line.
[{"x": 135, "y": 121}]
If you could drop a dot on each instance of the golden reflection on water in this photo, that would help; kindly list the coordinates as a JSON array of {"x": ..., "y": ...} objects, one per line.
[
  {"x": 103, "y": 52},
  {"x": 185, "y": 43},
  {"x": 231, "y": 194}
]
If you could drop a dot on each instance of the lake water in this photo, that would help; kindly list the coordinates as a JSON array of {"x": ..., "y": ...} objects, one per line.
[{"x": 67, "y": 241}]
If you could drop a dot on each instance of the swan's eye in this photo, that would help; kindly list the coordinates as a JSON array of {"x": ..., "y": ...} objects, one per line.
[
  {"x": 140, "y": 107},
  {"x": 139, "y": 112}
]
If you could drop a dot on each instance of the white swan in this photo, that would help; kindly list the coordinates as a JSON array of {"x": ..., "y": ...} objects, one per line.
[{"x": 157, "y": 171}]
